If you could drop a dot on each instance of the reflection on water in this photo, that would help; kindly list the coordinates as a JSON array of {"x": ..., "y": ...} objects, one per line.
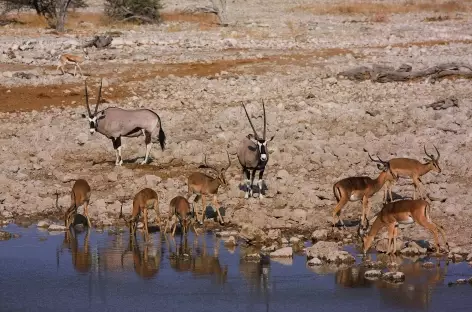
[
  {"x": 415, "y": 292},
  {"x": 109, "y": 271}
]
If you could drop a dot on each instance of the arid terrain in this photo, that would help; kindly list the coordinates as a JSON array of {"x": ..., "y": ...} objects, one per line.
[{"x": 195, "y": 74}]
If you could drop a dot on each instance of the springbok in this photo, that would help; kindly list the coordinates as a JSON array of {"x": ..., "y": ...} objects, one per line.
[
  {"x": 114, "y": 123},
  {"x": 179, "y": 210},
  {"x": 143, "y": 200},
  {"x": 76, "y": 60},
  {"x": 202, "y": 185},
  {"x": 360, "y": 188},
  {"x": 403, "y": 212},
  {"x": 407, "y": 167},
  {"x": 253, "y": 155},
  {"x": 79, "y": 195}
]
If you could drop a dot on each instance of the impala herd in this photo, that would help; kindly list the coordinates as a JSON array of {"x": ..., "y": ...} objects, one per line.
[{"x": 253, "y": 155}]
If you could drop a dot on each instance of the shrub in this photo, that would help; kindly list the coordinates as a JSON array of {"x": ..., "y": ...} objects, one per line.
[
  {"x": 54, "y": 11},
  {"x": 145, "y": 11}
]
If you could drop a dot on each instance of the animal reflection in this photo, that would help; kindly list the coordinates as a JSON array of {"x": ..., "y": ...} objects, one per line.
[
  {"x": 146, "y": 263},
  {"x": 81, "y": 255},
  {"x": 415, "y": 292},
  {"x": 256, "y": 274},
  {"x": 197, "y": 261}
]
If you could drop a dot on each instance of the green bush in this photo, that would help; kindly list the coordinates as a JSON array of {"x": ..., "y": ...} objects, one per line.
[{"x": 145, "y": 11}]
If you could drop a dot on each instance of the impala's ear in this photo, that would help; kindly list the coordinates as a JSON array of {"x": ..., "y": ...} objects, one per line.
[
  {"x": 272, "y": 138},
  {"x": 101, "y": 115},
  {"x": 426, "y": 159},
  {"x": 83, "y": 116}
]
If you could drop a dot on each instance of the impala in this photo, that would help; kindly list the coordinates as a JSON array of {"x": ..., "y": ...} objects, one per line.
[
  {"x": 79, "y": 195},
  {"x": 143, "y": 200},
  {"x": 203, "y": 185},
  {"x": 76, "y": 60},
  {"x": 180, "y": 211},
  {"x": 407, "y": 167},
  {"x": 403, "y": 212},
  {"x": 360, "y": 188}
]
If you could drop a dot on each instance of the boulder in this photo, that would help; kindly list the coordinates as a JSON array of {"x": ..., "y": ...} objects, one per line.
[
  {"x": 285, "y": 252},
  {"x": 57, "y": 227},
  {"x": 251, "y": 233},
  {"x": 394, "y": 277},
  {"x": 329, "y": 252},
  {"x": 319, "y": 235},
  {"x": 373, "y": 274}
]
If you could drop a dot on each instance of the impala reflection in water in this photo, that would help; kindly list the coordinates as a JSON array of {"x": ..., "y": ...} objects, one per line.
[{"x": 90, "y": 270}]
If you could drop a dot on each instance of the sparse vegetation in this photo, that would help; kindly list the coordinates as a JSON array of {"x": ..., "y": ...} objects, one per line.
[
  {"x": 371, "y": 7},
  {"x": 144, "y": 11},
  {"x": 54, "y": 11}
]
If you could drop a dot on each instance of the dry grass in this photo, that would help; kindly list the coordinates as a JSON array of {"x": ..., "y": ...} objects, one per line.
[
  {"x": 370, "y": 7},
  {"x": 439, "y": 18}
]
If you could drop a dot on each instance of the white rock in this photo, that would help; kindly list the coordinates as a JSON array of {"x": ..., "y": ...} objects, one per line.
[
  {"x": 57, "y": 227},
  {"x": 314, "y": 261},
  {"x": 395, "y": 277},
  {"x": 226, "y": 233},
  {"x": 43, "y": 224},
  {"x": 230, "y": 241},
  {"x": 373, "y": 274},
  {"x": 282, "y": 252}
]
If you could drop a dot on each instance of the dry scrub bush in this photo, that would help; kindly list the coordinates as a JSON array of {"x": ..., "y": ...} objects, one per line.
[{"x": 144, "y": 11}]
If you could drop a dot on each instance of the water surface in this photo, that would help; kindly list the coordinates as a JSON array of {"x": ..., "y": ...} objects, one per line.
[{"x": 108, "y": 272}]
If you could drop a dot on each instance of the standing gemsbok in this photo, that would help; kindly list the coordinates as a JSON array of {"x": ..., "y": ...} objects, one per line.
[
  {"x": 114, "y": 123},
  {"x": 407, "y": 167},
  {"x": 253, "y": 155}
]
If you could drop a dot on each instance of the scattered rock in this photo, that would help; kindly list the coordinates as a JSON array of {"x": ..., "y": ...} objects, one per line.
[
  {"x": 319, "y": 235},
  {"x": 373, "y": 274},
  {"x": 226, "y": 233},
  {"x": 282, "y": 253},
  {"x": 250, "y": 233},
  {"x": 230, "y": 241},
  {"x": 274, "y": 234},
  {"x": 57, "y": 227},
  {"x": 394, "y": 277},
  {"x": 112, "y": 177},
  {"x": 43, "y": 224},
  {"x": 314, "y": 262},
  {"x": 413, "y": 249},
  {"x": 330, "y": 252}
]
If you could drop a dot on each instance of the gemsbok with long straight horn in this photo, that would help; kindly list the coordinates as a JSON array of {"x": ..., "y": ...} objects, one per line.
[
  {"x": 115, "y": 122},
  {"x": 253, "y": 155}
]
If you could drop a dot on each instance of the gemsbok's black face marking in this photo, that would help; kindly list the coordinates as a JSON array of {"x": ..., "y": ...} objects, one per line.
[{"x": 262, "y": 145}]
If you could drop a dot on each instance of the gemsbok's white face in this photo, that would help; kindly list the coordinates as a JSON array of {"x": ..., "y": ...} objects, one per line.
[{"x": 93, "y": 118}]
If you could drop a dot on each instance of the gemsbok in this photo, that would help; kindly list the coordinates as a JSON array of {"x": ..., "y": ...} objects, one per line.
[
  {"x": 360, "y": 188},
  {"x": 143, "y": 200},
  {"x": 253, "y": 155},
  {"x": 412, "y": 168},
  {"x": 203, "y": 185},
  {"x": 79, "y": 195},
  {"x": 405, "y": 211},
  {"x": 76, "y": 60},
  {"x": 114, "y": 123}
]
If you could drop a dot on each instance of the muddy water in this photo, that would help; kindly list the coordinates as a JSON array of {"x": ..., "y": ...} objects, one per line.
[{"x": 107, "y": 272}]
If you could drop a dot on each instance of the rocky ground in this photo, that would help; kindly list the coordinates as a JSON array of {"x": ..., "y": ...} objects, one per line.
[{"x": 195, "y": 74}]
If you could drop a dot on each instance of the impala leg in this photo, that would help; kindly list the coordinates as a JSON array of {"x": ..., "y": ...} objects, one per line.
[
  {"x": 337, "y": 211},
  {"x": 217, "y": 207},
  {"x": 174, "y": 226},
  {"x": 202, "y": 217},
  {"x": 146, "y": 231},
  {"x": 433, "y": 229},
  {"x": 86, "y": 214},
  {"x": 365, "y": 211},
  {"x": 147, "y": 140},
  {"x": 61, "y": 67},
  {"x": 194, "y": 229},
  {"x": 117, "y": 147},
  {"x": 81, "y": 74},
  {"x": 260, "y": 184},
  {"x": 443, "y": 234}
]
